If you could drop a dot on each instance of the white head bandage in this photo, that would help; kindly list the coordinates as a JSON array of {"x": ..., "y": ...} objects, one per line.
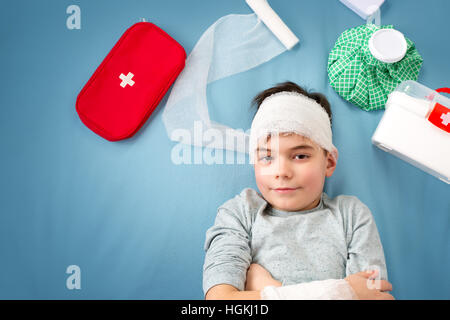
[{"x": 292, "y": 112}]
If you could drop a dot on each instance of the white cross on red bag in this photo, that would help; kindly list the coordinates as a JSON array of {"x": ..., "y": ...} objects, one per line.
[{"x": 440, "y": 115}]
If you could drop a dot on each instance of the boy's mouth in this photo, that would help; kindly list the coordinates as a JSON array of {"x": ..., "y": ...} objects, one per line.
[{"x": 285, "y": 190}]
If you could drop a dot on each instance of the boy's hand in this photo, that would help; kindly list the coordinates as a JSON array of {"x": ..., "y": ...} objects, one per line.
[
  {"x": 367, "y": 289},
  {"x": 258, "y": 278}
]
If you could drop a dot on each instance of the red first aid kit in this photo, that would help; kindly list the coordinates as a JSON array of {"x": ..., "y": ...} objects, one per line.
[{"x": 130, "y": 82}]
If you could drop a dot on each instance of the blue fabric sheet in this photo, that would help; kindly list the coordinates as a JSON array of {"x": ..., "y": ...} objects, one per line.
[{"x": 132, "y": 220}]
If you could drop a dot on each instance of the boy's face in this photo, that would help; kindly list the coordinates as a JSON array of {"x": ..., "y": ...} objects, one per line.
[{"x": 290, "y": 171}]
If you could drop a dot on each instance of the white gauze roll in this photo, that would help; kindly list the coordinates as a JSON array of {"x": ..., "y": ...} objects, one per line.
[
  {"x": 233, "y": 44},
  {"x": 292, "y": 112},
  {"x": 330, "y": 289}
]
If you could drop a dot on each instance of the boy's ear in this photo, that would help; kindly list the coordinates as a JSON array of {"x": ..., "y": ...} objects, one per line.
[{"x": 331, "y": 165}]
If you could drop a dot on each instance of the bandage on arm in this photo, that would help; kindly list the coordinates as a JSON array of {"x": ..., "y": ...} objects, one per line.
[{"x": 330, "y": 289}]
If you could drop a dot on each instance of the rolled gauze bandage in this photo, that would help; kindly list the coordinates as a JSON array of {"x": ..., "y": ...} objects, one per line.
[
  {"x": 331, "y": 289},
  {"x": 273, "y": 22},
  {"x": 234, "y": 43},
  {"x": 292, "y": 112}
]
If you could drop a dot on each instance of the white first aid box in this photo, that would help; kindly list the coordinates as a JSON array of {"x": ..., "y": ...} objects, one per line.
[{"x": 416, "y": 128}]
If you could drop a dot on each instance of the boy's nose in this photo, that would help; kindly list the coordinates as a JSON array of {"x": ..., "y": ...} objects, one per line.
[{"x": 283, "y": 169}]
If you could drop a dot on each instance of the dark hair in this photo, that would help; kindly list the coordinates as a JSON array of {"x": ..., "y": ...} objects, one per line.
[{"x": 292, "y": 87}]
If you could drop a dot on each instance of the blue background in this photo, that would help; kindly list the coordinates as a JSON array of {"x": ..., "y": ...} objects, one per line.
[{"x": 133, "y": 221}]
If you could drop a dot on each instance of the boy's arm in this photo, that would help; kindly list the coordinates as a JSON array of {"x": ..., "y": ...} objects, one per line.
[
  {"x": 356, "y": 286},
  {"x": 228, "y": 254},
  {"x": 228, "y": 292},
  {"x": 364, "y": 247}
]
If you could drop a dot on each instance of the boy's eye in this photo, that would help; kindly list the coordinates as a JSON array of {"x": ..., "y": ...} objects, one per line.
[
  {"x": 265, "y": 158},
  {"x": 301, "y": 156}
]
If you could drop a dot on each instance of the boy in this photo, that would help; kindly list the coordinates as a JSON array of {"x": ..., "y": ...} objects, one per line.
[{"x": 263, "y": 244}]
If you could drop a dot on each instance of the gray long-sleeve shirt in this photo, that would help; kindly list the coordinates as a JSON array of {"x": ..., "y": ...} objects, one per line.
[{"x": 337, "y": 238}]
